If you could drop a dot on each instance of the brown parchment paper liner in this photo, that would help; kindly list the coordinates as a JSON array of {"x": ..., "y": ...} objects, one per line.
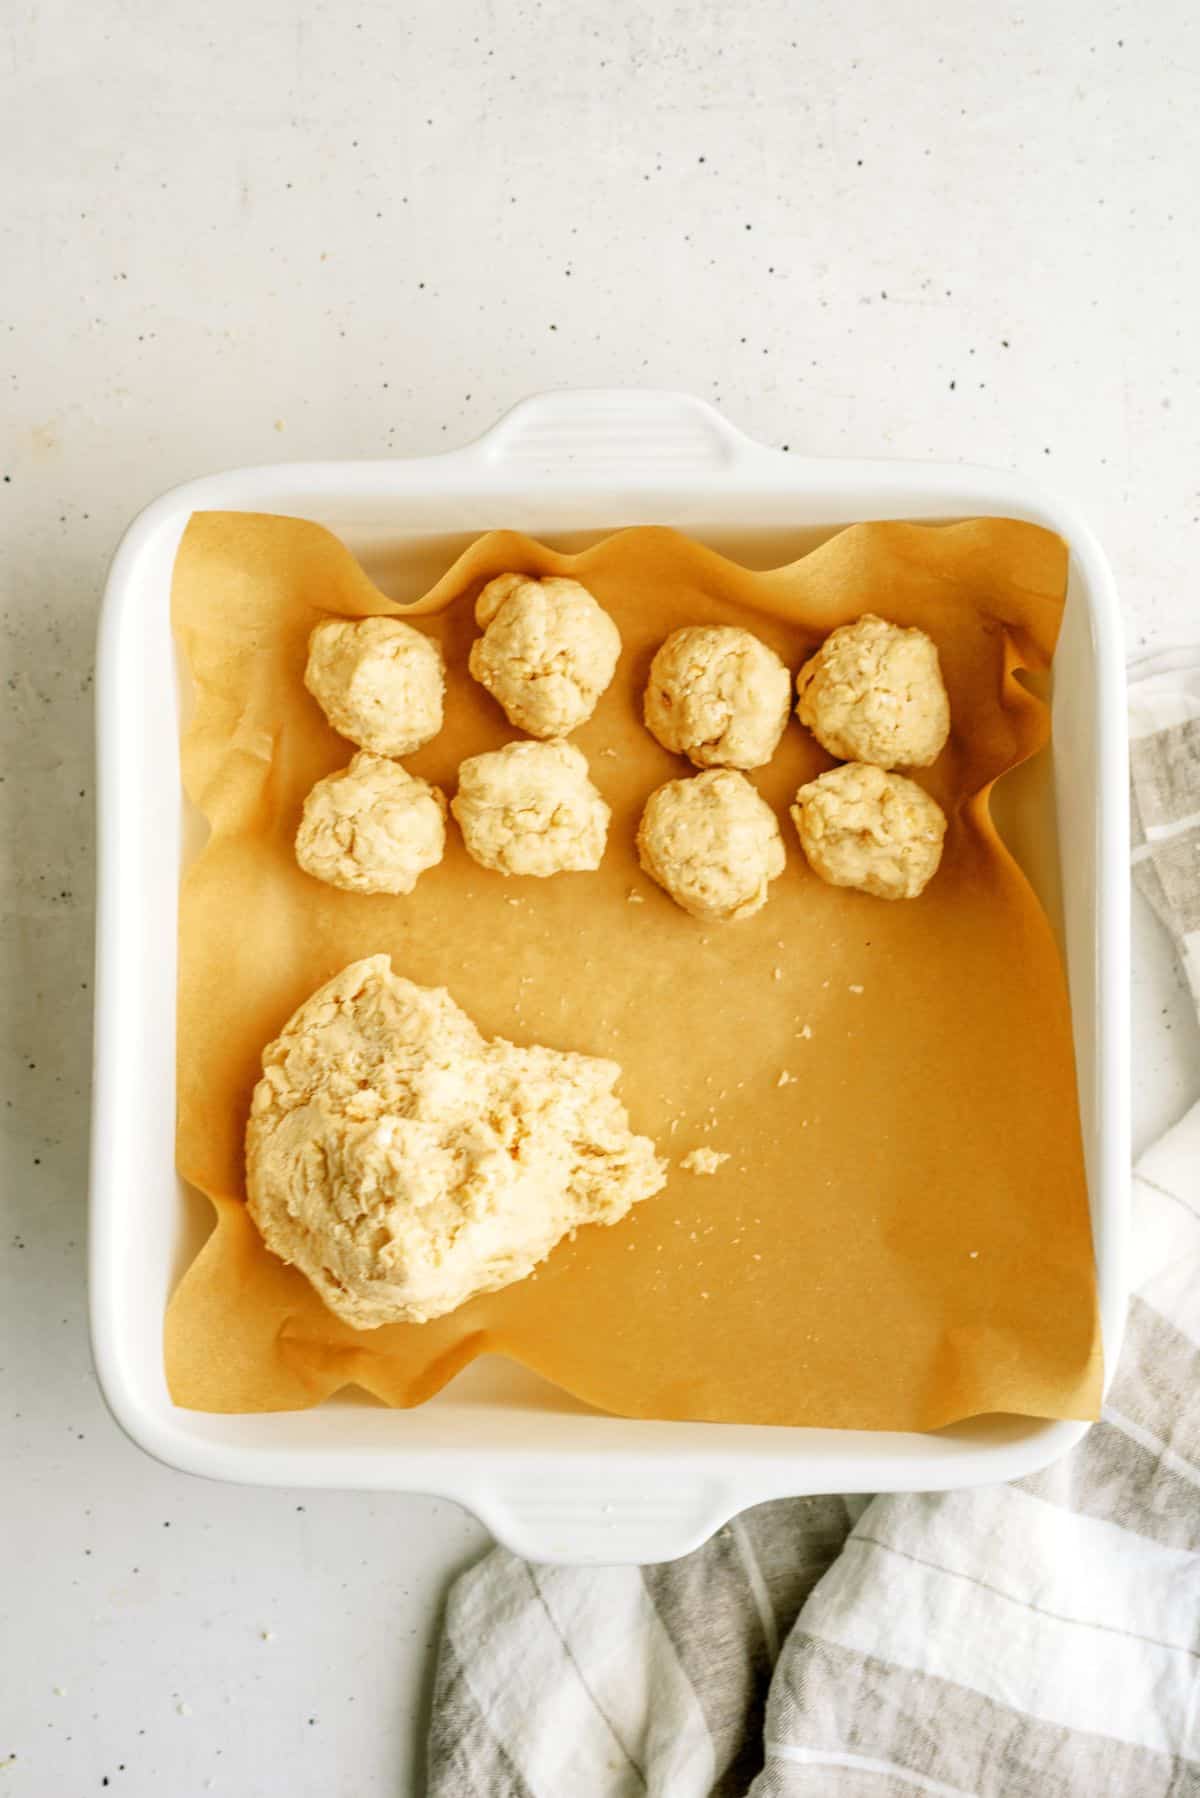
[{"x": 900, "y": 1236}]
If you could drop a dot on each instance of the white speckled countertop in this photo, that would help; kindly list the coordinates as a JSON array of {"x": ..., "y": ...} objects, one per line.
[{"x": 237, "y": 233}]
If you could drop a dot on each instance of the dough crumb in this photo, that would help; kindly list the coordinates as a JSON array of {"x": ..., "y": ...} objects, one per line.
[
  {"x": 873, "y": 692},
  {"x": 786, "y": 1079},
  {"x": 372, "y": 827},
  {"x": 635, "y": 898},
  {"x": 718, "y": 695},
  {"x": 547, "y": 652},
  {"x": 861, "y": 827},
  {"x": 405, "y": 1164},
  {"x": 805, "y": 1033},
  {"x": 712, "y": 843},
  {"x": 856, "y": 989},
  {"x": 378, "y": 681},
  {"x": 530, "y": 808},
  {"x": 703, "y": 1161}
]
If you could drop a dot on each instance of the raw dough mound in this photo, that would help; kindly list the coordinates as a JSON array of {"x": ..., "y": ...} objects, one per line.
[
  {"x": 530, "y": 808},
  {"x": 372, "y": 827},
  {"x": 719, "y": 696},
  {"x": 874, "y": 693},
  {"x": 405, "y": 1164},
  {"x": 547, "y": 652},
  {"x": 712, "y": 843},
  {"x": 861, "y": 827},
  {"x": 378, "y": 681}
]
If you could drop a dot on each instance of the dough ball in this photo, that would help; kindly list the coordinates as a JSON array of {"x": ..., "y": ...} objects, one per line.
[
  {"x": 372, "y": 828},
  {"x": 547, "y": 651},
  {"x": 861, "y": 827},
  {"x": 874, "y": 693},
  {"x": 378, "y": 681},
  {"x": 405, "y": 1164},
  {"x": 719, "y": 696},
  {"x": 530, "y": 808},
  {"x": 712, "y": 843}
]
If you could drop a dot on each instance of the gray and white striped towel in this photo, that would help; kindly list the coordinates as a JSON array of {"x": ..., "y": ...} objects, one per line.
[{"x": 1036, "y": 1640}]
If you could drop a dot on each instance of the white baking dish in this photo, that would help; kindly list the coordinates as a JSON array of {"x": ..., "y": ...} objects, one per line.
[{"x": 553, "y": 1481}]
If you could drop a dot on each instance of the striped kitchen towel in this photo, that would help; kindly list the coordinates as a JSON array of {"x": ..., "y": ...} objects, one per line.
[{"x": 1036, "y": 1640}]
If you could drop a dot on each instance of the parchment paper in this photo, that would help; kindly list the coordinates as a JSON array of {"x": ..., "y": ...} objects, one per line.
[{"x": 900, "y": 1236}]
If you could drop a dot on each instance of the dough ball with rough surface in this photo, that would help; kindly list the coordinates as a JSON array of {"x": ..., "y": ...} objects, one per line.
[
  {"x": 712, "y": 844},
  {"x": 531, "y": 808},
  {"x": 874, "y": 692},
  {"x": 860, "y": 826},
  {"x": 719, "y": 696},
  {"x": 378, "y": 681},
  {"x": 547, "y": 652},
  {"x": 405, "y": 1164},
  {"x": 372, "y": 827}
]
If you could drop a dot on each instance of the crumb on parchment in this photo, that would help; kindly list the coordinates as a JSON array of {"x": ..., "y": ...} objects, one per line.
[{"x": 703, "y": 1161}]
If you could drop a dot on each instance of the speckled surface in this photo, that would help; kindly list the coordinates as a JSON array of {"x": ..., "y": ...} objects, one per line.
[{"x": 238, "y": 233}]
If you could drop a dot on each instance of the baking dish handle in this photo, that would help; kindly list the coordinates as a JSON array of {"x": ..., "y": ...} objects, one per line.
[
  {"x": 604, "y": 431},
  {"x": 606, "y": 1519}
]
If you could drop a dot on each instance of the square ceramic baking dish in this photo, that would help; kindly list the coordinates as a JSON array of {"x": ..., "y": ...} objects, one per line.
[{"x": 552, "y": 1480}]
